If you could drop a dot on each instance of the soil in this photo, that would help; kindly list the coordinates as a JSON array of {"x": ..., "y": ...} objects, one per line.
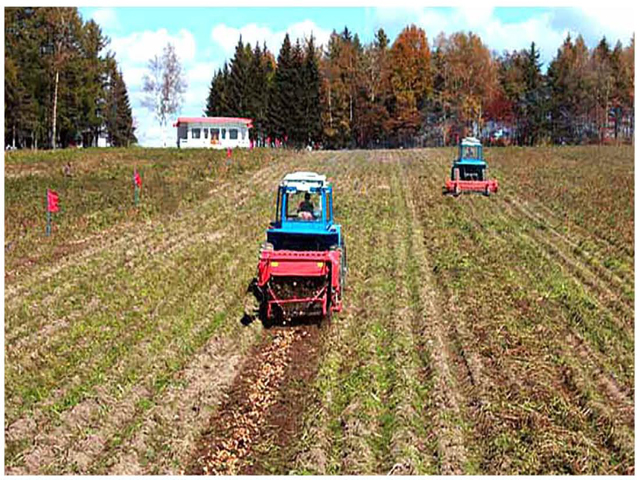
[{"x": 262, "y": 412}]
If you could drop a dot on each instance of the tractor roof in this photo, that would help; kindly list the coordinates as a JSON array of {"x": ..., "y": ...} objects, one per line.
[
  {"x": 470, "y": 142},
  {"x": 303, "y": 181}
]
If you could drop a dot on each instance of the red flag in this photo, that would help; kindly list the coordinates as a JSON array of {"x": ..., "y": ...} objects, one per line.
[
  {"x": 228, "y": 153},
  {"x": 136, "y": 179},
  {"x": 52, "y": 201}
]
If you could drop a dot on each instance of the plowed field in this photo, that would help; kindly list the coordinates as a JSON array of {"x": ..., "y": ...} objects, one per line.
[{"x": 488, "y": 335}]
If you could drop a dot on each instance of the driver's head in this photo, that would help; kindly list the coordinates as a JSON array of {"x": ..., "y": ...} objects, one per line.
[{"x": 307, "y": 197}]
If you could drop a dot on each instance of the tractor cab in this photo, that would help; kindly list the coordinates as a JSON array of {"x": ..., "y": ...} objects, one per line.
[
  {"x": 304, "y": 214},
  {"x": 470, "y": 164}
]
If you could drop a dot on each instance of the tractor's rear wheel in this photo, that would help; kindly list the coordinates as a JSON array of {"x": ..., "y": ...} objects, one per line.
[{"x": 343, "y": 266}]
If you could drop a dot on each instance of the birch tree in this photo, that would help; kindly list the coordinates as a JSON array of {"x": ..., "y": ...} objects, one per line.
[{"x": 164, "y": 85}]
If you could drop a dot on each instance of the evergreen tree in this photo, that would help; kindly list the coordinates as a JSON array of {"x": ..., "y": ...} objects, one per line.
[
  {"x": 258, "y": 93},
  {"x": 312, "y": 116},
  {"x": 117, "y": 109},
  {"x": 296, "y": 129},
  {"x": 55, "y": 78},
  {"x": 238, "y": 82},
  {"x": 283, "y": 95},
  {"x": 534, "y": 101}
]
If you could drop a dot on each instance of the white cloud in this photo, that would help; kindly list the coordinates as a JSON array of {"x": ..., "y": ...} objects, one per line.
[
  {"x": 614, "y": 22},
  {"x": 227, "y": 37},
  {"x": 106, "y": 18},
  {"x": 139, "y": 47},
  {"x": 547, "y": 28},
  {"x": 202, "y": 72}
]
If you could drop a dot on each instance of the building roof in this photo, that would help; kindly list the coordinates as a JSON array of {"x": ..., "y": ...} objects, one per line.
[{"x": 214, "y": 120}]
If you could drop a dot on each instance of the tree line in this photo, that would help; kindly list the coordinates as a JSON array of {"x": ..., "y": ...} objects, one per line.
[
  {"x": 410, "y": 93},
  {"x": 60, "y": 89}
]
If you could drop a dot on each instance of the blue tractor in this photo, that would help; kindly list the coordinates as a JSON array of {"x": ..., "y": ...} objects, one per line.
[{"x": 303, "y": 264}]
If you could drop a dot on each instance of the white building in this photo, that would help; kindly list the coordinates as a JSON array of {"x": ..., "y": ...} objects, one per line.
[{"x": 213, "y": 132}]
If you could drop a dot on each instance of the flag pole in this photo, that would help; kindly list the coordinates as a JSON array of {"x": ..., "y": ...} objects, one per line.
[
  {"x": 48, "y": 213},
  {"x": 136, "y": 195}
]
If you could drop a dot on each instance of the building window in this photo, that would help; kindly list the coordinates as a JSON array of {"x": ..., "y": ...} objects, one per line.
[
  {"x": 233, "y": 134},
  {"x": 195, "y": 133},
  {"x": 224, "y": 133},
  {"x": 182, "y": 131},
  {"x": 215, "y": 133},
  {"x": 206, "y": 132}
]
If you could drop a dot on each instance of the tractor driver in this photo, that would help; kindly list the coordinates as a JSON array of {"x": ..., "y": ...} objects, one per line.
[
  {"x": 305, "y": 209},
  {"x": 469, "y": 153}
]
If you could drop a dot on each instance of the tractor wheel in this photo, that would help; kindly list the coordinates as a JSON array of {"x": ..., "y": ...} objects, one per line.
[
  {"x": 343, "y": 265},
  {"x": 487, "y": 191},
  {"x": 456, "y": 190},
  {"x": 344, "y": 268}
]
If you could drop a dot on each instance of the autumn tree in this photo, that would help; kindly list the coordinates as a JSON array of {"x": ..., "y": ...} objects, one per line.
[
  {"x": 335, "y": 95},
  {"x": 372, "y": 126},
  {"x": 341, "y": 67},
  {"x": 623, "y": 89},
  {"x": 570, "y": 96},
  {"x": 411, "y": 80},
  {"x": 469, "y": 79}
]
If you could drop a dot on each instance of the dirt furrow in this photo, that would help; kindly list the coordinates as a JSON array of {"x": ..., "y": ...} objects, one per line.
[
  {"x": 255, "y": 402},
  {"x": 621, "y": 278},
  {"x": 620, "y": 396},
  {"x": 173, "y": 423},
  {"x": 448, "y": 399},
  {"x": 604, "y": 243},
  {"x": 580, "y": 269}
]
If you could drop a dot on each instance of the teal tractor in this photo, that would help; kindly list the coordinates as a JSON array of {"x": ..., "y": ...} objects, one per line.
[{"x": 469, "y": 171}]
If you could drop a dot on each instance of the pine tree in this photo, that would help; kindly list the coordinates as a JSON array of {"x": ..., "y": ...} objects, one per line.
[
  {"x": 296, "y": 130},
  {"x": 258, "y": 93},
  {"x": 311, "y": 95},
  {"x": 534, "y": 101},
  {"x": 283, "y": 94},
  {"x": 118, "y": 117},
  {"x": 55, "y": 77},
  {"x": 238, "y": 81}
]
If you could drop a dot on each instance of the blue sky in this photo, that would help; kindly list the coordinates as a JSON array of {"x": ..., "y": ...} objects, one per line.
[{"x": 206, "y": 36}]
